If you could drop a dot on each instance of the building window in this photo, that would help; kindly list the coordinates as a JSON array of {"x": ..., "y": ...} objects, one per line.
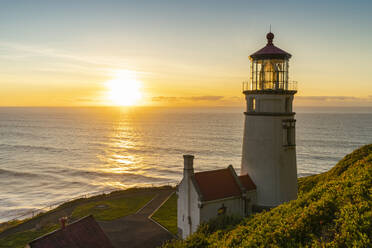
[
  {"x": 222, "y": 210},
  {"x": 289, "y": 135},
  {"x": 252, "y": 104}
]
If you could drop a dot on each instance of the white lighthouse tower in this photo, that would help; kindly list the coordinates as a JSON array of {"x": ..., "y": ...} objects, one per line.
[{"x": 269, "y": 149}]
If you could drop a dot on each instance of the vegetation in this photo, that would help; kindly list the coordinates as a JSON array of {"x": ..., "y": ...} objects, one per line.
[
  {"x": 166, "y": 215},
  {"x": 113, "y": 208},
  {"x": 19, "y": 240},
  {"x": 9, "y": 224},
  {"x": 333, "y": 209}
]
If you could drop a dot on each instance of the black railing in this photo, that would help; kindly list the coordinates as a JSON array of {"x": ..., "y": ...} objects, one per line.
[{"x": 289, "y": 86}]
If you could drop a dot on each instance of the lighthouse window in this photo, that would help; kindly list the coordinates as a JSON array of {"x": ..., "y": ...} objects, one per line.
[
  {"x": 252, "y": 104},
  {"x": 289, "y": 135}
]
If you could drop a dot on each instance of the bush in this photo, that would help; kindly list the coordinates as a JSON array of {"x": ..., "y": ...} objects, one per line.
[
  {"x": 333, "y": 209},
  {"x": 222, "y": 222}
]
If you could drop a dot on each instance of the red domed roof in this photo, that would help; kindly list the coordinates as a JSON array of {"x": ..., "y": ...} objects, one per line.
[{"x": 270, "y": 51}]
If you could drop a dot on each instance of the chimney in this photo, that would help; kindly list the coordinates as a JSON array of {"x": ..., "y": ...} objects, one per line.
[
  {"x": 188, "y": 172},
  {"x": 63, "y": 221},
  {"x": 188, "y": 161}
]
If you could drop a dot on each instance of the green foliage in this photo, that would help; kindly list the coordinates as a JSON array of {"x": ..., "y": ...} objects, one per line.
[
  {"x": 112, "y": 209},
  {"x": 19, "y": 240},
  {"x": 9, "y": 224},
  {"x": 333, "y": 209},
  {"x": 222, "y": 222},
  {"x": 166, "y": 215}
]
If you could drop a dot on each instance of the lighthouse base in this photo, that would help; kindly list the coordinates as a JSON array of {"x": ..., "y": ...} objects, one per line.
[{"x": 269, "y": 157}]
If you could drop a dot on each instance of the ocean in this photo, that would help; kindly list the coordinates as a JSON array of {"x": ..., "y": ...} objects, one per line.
[{"x": 50, "y": 155}]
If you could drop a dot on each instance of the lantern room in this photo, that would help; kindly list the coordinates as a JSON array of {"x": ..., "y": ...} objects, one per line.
[{"x": 269, "y": 69}]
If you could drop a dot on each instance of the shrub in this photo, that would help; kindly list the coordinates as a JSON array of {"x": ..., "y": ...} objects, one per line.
[{"x": 333, "y": 209}]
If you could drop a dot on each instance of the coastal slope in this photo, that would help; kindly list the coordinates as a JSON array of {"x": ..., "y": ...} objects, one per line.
[{"x": 333, "y": 209}]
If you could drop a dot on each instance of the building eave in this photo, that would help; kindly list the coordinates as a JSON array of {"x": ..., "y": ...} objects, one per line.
[
  {"x": 221, "y": 199},
  {"x": 197, "y": 189},
  {"x": 236, "y": 178}
]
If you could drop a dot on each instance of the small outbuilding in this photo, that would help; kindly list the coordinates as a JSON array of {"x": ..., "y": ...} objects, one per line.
[
  {"x": 84, "y": 232},
  {"x": 205, "y": 195}
]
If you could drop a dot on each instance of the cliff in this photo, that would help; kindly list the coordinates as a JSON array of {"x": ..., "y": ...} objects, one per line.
[{"x": 333, "y": 209}]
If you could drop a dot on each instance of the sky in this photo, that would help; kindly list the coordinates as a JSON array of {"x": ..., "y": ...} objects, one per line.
[{"x": 179, "y": 53}]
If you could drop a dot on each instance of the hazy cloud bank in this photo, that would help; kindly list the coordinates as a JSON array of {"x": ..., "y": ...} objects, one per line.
[
  {"x": 336, "y": 98},
  {"x": 190, "y": 98}
]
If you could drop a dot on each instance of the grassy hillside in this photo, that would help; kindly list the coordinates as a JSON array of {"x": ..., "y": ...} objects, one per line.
[
  {"x": 166, "y": 215},
  {"x": 333, "y": 209},
  {"x": 106, "y": 207}
]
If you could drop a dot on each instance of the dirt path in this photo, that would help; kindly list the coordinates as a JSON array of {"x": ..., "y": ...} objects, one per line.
[{"x": 137, "y": 230}]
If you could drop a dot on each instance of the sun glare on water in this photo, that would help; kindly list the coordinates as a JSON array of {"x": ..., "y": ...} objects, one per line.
[{"x": 124, "y": 89}]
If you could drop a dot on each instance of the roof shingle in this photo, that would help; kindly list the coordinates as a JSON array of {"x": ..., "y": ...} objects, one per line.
[
  {"x": 247, "y": 182},
  {"x": 83, "y": 233},
  {"x": 219, "y": 184},
  {"x": 270, "y": 51}
]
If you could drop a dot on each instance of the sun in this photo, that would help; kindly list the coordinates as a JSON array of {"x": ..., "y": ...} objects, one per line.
[{"x": 124, "y": 89}]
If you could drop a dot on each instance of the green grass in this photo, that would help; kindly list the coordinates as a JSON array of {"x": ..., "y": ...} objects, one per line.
[
  {"x": 167, "y": 214},
  {"x": 21, "y": 239},
  {"x": 120, "y": 203},
  {"x": 9, "y": 224},
  {"x": 333, "y": 209},
  {"x": 113, "y": 208}
]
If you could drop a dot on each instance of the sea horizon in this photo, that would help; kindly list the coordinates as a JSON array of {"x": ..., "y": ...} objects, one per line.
[{"x": 49, "y": 155}]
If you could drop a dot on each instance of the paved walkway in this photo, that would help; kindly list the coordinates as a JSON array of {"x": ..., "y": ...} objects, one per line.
[{"x": 137, "y": 230}]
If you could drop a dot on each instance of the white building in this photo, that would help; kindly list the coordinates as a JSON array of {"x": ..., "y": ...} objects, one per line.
[
  {"x": 205, "y": 195},
  {"x": 269, "y": 171}
]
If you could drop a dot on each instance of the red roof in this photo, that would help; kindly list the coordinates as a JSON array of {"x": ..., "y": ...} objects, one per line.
[
  {"x": 247, "y": 182},
  {"x": 223, "y": 183},
  {"x": 270, "y": 51},
  {"x": 83, "y": 233}
]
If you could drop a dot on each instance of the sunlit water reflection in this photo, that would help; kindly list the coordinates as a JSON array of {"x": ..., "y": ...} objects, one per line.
[{"x": 53, "y": 154}]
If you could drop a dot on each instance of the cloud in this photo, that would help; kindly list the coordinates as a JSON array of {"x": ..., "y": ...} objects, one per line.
[
  {"x": 22, "y": 51},
  {"x": 335, "y": 98},
  {"x": 191, "y": 98}
]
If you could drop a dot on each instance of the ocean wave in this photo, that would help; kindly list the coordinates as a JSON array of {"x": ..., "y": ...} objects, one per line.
[
  {"x": 144, "y": 149},
  {"x": 32, "y": 148},
  {"x": 113, "y": 175},
  {"x": 17, "y": 135},
  {"x": 77, "y": 147},
  {"x": 11, "y": 173}
]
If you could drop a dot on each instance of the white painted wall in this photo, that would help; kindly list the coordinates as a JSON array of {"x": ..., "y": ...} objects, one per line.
[
  {"x": 195, "y": 210},
  {"x": 271, "y": 165},
  {"x": 182, "y": 223},
  {"x": 182, "y": 209},
  {"x": 270, "y": 102},
  {"x": 188, "y": 214},
  {"x": 251, "y": 197},
  {"x": 234, "y": 206}
]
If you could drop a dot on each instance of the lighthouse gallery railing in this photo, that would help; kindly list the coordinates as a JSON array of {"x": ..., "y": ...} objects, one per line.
[{"x": 288, "y": 86}]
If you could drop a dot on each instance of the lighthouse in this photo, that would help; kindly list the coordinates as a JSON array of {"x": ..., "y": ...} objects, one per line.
[{"x": 269, "y": 143}]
